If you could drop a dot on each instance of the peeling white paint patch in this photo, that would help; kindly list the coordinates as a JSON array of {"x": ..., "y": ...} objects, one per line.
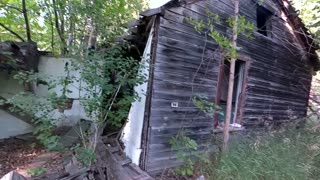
[{"x": 132, "y": 132}]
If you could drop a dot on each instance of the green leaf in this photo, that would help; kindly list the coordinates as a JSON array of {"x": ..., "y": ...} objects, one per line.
[{"x": 189, "y": 172}]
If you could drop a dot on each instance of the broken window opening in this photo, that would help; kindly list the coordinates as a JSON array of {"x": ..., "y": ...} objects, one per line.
[
  {"x": 237, "y": 91},
  {"x": 264, "y": 24}
]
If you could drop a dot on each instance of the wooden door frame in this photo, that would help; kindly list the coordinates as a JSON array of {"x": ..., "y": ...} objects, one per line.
[{"x": 241, "y": 105}]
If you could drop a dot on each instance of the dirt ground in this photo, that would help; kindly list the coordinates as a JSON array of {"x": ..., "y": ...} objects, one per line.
[
  {"x": 20, "y": 155},
  {"x": 16, "y": 154}
]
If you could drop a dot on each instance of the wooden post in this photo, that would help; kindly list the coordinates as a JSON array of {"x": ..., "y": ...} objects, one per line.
[{"x": 231, "y": 78}]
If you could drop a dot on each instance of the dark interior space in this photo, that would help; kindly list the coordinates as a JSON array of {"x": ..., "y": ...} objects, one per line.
[
  {"x": 263, "y": 21},
  {"x": 238, "y": 83}
]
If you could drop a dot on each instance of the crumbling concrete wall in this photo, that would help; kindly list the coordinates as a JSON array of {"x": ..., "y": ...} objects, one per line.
[{"x": 47, "y": 67}]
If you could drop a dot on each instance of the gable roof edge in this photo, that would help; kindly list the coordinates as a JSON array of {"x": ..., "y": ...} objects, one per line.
[{"x": 310, "y": 46}]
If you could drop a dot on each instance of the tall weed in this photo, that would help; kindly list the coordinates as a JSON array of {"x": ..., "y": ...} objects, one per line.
[{"x": 283, "y": 154}]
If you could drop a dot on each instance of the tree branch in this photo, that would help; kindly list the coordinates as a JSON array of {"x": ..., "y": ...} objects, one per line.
[
  {"x": 10, "y": 6},
  {"x": 12, "y": 32},
  {"x": 56, "y": 18},
  {"x": 25, "y": 15},
  {"x": 58, "y": 27}
]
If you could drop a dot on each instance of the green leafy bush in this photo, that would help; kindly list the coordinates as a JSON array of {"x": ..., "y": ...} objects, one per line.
[
  {"x": 106, "y": 91},
  {"x": 186, "y": 148},
  {"x": 34, "y": 172},
  {"x": 85, "y": 155},
  {"x": 39, "y": 109}
]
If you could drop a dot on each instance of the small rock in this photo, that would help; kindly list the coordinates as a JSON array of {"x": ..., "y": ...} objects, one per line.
[
  {"x": 45, "y": 157},
  {"x": 13, "y": 176},
  {"x": 201, "y": 178},
  {"x": 72, "y": 166}
]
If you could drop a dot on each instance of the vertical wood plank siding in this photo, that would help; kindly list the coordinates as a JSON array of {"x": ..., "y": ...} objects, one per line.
[{"x": 186, "y": 65}]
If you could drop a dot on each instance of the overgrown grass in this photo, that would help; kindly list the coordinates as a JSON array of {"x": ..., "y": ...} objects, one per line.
[{"x": 283, "y": 154}]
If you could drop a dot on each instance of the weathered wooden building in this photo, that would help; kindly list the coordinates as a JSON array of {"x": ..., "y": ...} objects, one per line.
[{"x": 273, "y": 74}]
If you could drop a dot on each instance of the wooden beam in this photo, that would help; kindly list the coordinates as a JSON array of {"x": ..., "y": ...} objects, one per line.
[
  {"x": 151, "y": 12},
  {"x": 134, "y": 30},
  {"x": 133, "y": 23},
  {"x": 131, "y": 37}
]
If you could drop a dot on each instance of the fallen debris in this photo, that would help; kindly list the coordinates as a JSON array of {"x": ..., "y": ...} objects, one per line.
[
  {"x": 13, "y": 176},
  {"x": 16, "y": 154},
  {"x": 201, "y": 178},
  {"x": 72, "y": 136},
  {"x": 111, "y": 157}
]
